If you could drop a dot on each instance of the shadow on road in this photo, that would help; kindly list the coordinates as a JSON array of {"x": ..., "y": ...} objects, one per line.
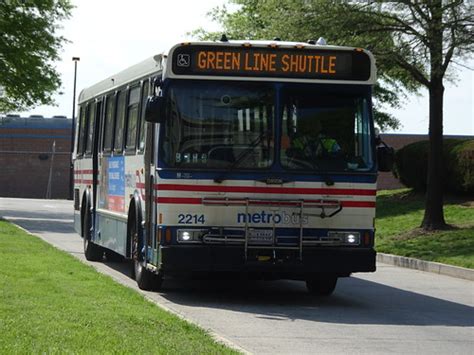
[
  {"x": 43, "y": 226},
  {"x": 355, "y": 301},
  {"x": 7, "y": 213}
]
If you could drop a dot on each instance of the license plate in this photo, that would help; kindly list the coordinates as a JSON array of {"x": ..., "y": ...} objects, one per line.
[{"x": 260, "y": 236}]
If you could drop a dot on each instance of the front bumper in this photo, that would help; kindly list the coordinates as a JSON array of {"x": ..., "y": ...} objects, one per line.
[{"x": 339, "y": 261}]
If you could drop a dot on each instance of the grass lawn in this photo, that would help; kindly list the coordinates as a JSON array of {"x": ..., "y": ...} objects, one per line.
[
  {"x": 52, "y": 303},
  {"x": 399, "y": 214}
]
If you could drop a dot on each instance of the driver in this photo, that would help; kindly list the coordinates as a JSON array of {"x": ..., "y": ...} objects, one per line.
[{"x": 311, "y": 141}]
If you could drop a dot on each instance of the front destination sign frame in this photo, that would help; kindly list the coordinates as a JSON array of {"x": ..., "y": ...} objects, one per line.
[{"x": 304, "y": 63}]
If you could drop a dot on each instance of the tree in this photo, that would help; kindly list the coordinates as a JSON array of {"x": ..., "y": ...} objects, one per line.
[
  {"x": 29, "y": 44},
  {"x": 414, "y": 43},
  {"x": 428, "y": 36}
]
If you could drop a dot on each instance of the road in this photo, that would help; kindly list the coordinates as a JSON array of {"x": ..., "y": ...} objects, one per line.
[{"x": 394, "y": 310}]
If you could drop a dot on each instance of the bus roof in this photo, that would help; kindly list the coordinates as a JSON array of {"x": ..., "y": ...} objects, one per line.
[{"x": 136, "y": 72}]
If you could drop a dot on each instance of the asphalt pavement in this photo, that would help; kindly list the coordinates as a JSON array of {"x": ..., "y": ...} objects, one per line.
[{"x": 393, "y": 310}]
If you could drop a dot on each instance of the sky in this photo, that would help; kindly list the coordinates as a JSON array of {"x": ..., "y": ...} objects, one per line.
[{"x": 111, "y": 35}]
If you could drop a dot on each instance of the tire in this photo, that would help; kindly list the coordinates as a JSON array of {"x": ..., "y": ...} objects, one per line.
[
  {"x": 146, "y": 280},
  {"x": 92, "y": 251},
  {"x": 322, "y": 286}
]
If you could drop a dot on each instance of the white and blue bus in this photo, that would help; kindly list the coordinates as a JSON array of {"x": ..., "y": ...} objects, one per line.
[{"x": 248, "y": 157}]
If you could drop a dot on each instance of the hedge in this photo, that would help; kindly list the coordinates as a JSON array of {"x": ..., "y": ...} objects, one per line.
[{"x": 411, "y": 165}]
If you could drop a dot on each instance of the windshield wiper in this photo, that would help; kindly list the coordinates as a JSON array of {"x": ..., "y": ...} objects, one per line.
[{"x": 250, "y": 148}]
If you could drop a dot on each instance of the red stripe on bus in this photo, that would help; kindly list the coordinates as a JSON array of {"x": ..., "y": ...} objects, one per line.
[
  {"x": 268, "y": 190},
  {"x": 84, "y": 181},
  {"x": 87, "y": 171},
  {"x": 198, "y": 201}
]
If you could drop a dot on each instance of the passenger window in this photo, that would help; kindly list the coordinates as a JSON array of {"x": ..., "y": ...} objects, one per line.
[
  {"x": 109, "y": 123},
  {"x": 141, "y": 142},
  {"x": 120, "y": 121},
  {"x": 133, "y": 101},
  {"x": 99, "y": 122},
  {"x": 82, "y": 124},
  {"x": 90, "y": 125}
]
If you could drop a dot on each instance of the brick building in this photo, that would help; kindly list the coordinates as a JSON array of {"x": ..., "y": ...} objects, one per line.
[
  {"x": 35, "y": 156},
  {"x": 386, "y": 181}
]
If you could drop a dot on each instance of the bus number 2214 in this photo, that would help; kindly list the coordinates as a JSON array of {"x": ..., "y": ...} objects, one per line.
[{"x": 191, "y": 219}]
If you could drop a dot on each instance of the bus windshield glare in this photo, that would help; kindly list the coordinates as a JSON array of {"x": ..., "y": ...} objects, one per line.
[{"x": 220, "y": 125}]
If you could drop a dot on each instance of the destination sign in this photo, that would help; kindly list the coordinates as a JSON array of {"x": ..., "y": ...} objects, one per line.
[{"x": 271, "y": 62}]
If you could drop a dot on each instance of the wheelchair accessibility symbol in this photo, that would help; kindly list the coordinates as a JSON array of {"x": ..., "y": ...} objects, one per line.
[{"x": 183, "y": 60}]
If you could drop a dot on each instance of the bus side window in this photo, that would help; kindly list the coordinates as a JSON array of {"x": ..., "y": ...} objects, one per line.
[
  {"x": 90, "y": 127},
  {"x": 109, "y": 123},
  {"x": 99, "y": 117},
  {"x": 141, "y": 132},
  {"x": 132, "y": 118},
  {"x": 82, "y": 124},
  {"x": 120, "y": 121}
]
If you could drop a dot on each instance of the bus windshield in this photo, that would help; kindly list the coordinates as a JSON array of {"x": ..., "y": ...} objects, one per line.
[
  {"x": 219, "y": 125},
  {"x": 325, "y": 131},
  {"x": 231, "y": 125}
]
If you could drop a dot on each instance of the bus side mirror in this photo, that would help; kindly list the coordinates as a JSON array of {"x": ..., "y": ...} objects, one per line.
[
  {"x": 154, "y": 109},
  {"x": 385, "y": 158}
]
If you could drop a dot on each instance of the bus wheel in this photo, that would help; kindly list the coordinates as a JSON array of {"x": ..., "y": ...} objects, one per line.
[
  {"x": 92, "y": 251},
  {"x": 146, "y": 280},
  {"x": 322, "y": 286}
]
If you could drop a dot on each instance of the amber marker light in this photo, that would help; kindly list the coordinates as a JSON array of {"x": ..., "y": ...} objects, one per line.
[
  {"x": 367, "y": 238},
  {"x": 359, "y": 50},
  {"x": 246, "y": 44},
  {"x": 273, "y": 45},
  {"x": 299, "y": 46},
  {"x": 158, "y": 236},
  {"x": 185, "y": 43}
]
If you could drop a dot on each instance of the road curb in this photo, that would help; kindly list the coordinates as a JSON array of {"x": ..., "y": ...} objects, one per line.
[{"x": 428, "y": 266}]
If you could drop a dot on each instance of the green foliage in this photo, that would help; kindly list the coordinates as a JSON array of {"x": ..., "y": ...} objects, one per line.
[
  {"x": 29, "y": 44},
  {"x": 411, "y": 165},
  {"x": 459, "y": 162},
  {"x": 52, "y": 303},
  {"x": 398, "y": 216}
]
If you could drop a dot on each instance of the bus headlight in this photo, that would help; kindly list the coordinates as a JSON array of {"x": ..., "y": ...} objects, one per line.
[
  {"x": 347, "y": 238},
  {"x": 185, "y": 236},
  {"x": 189, "y": 236},
  {"x": 353, "y": 238}
]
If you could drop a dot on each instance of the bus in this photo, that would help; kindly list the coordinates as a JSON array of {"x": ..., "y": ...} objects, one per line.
[{"x": 249, "y": 158}]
